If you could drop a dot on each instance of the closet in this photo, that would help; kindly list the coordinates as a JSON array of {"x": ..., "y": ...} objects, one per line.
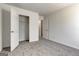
[{"x": 23, "y": 28}]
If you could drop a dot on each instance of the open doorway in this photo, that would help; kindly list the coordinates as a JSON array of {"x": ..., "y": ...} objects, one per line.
[
  {"x": 23, "y": 28},
  {"x": 41, "y": 27}
]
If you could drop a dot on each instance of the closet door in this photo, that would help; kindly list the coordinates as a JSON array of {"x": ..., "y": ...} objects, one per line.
[
  {"x": 0, "y": 31},
  {"x": 22, "y": 31},
  {"x": 14, "y": 29},
  {"x": 23, "y": 28}
]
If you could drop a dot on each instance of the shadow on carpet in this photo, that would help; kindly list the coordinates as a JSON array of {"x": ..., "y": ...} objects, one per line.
[{"x": 3, "y": 54}]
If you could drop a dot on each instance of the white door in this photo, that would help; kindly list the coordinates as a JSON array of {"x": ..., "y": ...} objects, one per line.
[
  {"x": 14, "y": 29},
  {"x": 0, "y": 31}
]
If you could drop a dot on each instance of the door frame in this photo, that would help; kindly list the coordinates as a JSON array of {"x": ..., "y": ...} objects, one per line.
[{"x": 25, "y": 27}]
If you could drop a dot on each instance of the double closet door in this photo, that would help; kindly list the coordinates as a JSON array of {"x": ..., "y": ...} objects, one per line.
[{"x": 23, "y": 28}]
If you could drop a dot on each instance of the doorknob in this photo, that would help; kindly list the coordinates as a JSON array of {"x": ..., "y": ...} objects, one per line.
[{"x": 12, "y": 31}]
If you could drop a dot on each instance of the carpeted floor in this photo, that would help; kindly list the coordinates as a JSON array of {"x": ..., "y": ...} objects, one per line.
[
  {"x": 3, "y": 54},
  {"x": 43, "y": 48},
  {"x": 5, "y": 51}
]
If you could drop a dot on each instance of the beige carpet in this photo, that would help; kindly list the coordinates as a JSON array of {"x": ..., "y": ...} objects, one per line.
[
  {"x": 3, "y": 54},
  {"x": 43, "y": 48}
]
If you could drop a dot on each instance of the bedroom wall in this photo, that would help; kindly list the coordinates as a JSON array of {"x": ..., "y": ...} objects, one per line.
[
  {"x": 45, "y": 28},
  {"x": 64, "y": 26},
  {"x": 33, "y": 22}
]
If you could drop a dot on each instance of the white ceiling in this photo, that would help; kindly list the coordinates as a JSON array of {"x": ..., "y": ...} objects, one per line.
[{"x": 42, "y": 8}]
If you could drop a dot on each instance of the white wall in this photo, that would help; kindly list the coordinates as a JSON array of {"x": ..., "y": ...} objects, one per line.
[
  {"x": 33, "y": 23},
  {"x": 0, "y": 31},
  {"x": 33, "y": 20},
  {"x": 64, "y": 26},
  {"x": 6, "y": 28},
  {"x": 23, "y": 28},
  {"x": 45, "y": 28}
]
